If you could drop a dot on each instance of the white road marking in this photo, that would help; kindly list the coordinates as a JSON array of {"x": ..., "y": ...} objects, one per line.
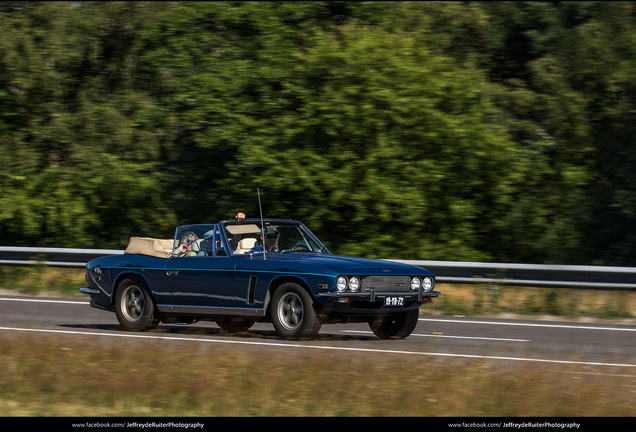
[
  {"x": 529, "y": 324},
  {"x": 601, "y": 374},
  {"x": 449, "y": 337},
  {"x": 333, "y": 348},
  {"x": 27, "y": 299}
]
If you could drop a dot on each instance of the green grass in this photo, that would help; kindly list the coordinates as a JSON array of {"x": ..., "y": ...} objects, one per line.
[{"x": 83, "y": 377}]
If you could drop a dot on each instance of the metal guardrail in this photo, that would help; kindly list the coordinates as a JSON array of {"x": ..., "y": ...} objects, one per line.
[
  {"x": 55, "y": 257},
  {"x": 536, "y": 275}
]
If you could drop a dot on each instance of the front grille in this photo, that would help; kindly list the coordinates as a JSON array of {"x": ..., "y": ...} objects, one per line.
[{"x": 387, "y": 283}]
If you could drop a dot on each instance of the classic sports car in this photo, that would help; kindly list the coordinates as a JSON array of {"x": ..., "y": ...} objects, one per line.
[{"x": 220, "y": 272}]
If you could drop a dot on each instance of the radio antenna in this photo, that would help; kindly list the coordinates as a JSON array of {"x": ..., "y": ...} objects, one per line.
[{"x": 260, "y": 208}]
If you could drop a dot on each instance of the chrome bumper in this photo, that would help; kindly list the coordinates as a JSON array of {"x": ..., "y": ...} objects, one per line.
[
  {"x": 87, "y": 290},
  {"x": 371, "y": 295}
]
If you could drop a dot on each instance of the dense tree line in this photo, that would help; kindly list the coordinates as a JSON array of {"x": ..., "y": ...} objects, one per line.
[{"x": 494, "y": 131}]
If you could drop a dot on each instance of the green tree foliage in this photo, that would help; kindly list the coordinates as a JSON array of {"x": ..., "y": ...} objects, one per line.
[
  {"x": 81, "y": 149},
  {"x": 425, "y": 130}
]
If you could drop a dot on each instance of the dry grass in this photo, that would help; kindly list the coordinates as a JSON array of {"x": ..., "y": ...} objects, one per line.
[
  {"x": 473, "y": 300},
  {"x": 42, "y": 280},
  {"x": 81, "y": 377}
]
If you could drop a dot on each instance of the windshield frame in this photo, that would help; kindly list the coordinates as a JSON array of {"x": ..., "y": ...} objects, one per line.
[{"x": 307, "y": 236}]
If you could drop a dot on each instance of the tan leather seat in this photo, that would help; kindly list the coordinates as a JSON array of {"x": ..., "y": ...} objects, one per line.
[{"x": 245, "y": 245}]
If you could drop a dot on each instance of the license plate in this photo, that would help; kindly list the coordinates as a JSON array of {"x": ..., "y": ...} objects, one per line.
[{"x": 394, "y": 301}]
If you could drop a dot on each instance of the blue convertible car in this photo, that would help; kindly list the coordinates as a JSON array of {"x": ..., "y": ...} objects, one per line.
[{"x": 238, "y": 273}]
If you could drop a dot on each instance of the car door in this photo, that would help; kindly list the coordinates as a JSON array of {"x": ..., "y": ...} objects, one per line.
[{"x": 202, "y": 281}]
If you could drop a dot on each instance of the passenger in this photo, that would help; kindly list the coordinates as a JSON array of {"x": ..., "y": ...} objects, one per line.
[
  {"x": 185, "y": 243},
  {"x": 207, "y": 246},
  {"x": 239, "y": 216},
  {"x": 187, "y": 238},
  {"x": 271, "y": 235}
]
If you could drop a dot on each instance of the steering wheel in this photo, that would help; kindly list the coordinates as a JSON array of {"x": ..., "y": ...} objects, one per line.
[{"x": 298, "y": 248}]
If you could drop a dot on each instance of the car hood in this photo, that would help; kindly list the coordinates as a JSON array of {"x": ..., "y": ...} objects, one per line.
[{"x": 349, "y": 265}]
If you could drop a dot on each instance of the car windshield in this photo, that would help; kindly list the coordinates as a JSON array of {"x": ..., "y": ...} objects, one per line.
[{"x": 280, "y": 237}]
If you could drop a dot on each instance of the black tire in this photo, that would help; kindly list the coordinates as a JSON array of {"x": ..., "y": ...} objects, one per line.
[
  {"x": 134, "y": 306},
  {"x": 292, "y": 313},
  {"x": 234, "y": 324},
  {"x": 396, "y": 325}
]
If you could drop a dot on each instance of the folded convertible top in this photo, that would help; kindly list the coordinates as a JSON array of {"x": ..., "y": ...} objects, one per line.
[{"x": 160, "y": 248}]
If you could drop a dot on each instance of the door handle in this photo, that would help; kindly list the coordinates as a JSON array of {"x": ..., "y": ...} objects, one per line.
[{"x": 172, "y": 273}]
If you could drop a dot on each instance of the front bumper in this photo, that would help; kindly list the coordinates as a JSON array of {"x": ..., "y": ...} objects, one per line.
[
  {"x": 89, "y": 290},
  {"x": 95, "y": 294},
  {"x": 370, "y": 295}
]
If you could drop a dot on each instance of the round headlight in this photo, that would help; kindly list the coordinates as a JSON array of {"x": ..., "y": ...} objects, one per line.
[
  {"x": 341, "y": 283},
  {"x": 354, "y": 283},
  {"x": 416, "y": 283},
  {"x": 428, "y": 283}
]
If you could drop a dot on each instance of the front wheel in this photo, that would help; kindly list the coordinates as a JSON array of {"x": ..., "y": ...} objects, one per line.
[
  {"x": 397, "y": 325},
  {"x": 293, "y": 314},
  {"x": 134, "y": 306}
]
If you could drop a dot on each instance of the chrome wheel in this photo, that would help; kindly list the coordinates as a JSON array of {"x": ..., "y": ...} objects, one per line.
[
  {"x": 290, "y": 311},
  {"x": 134, "y": 306},
  {"x": 293, "y": 313},
  {"x": 133, "y": 303}
]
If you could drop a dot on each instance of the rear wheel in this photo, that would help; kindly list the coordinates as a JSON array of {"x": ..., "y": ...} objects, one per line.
[
  {"x": 293, "y": 314},
  {"x": 397, "y": 325},
  {"x": 134, "y": 307}
]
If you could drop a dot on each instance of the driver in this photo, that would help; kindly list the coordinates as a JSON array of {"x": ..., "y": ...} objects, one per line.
[{"x": 271, "y": 236}]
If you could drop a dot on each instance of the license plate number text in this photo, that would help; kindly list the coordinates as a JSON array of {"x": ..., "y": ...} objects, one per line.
[{"x": 394, "y": 301}]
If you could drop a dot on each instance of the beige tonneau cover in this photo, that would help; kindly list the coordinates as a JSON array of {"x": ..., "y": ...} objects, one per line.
[{"x": 160, "y": 248}]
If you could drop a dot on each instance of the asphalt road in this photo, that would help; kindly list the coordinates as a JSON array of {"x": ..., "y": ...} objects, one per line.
[{"x": 595, "y": 348}]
